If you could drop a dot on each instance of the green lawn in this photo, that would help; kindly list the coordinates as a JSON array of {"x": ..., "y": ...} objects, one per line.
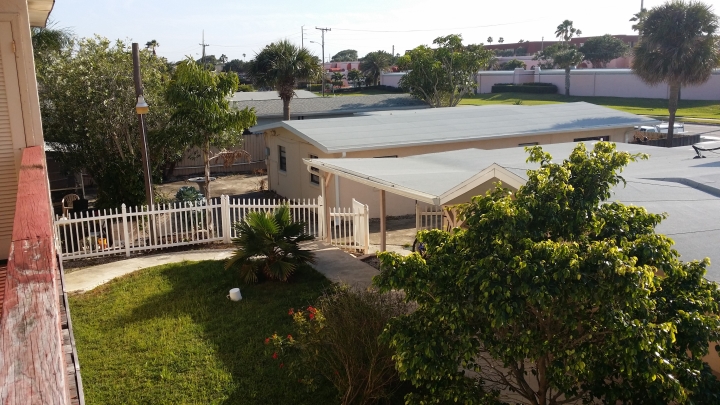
[
  {"x": 168, "y": 335},
  {"x": 644, "y": 106}
]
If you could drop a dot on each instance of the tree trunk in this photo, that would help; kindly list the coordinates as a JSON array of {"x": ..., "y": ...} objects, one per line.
[
  {"x": 567, "y": 81},
  {"x": 672, "y": 109},
  {"x": 286, "y": 109},
  {"x": 206, "y": 160}
]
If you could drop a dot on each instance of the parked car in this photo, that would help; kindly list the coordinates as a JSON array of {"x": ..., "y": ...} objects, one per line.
[{"x": 662, "y": 128}]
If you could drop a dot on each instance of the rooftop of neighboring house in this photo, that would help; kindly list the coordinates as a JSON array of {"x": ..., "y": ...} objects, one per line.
[
  {"x": 532, "y": 47},
  {"x": 340, "y": 105},
  {"x": 670, "y": 181},
  {"x": 445, "y": 125},
  {"x": 268, "y": 95}
]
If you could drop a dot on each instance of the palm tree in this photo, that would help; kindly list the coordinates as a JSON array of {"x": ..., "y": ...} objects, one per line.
[
  {"x": 490, "y": 40},
  {"x": 49, "y": 39},
  {"x": 268, "y": 242},
  {"x": 566, "y": 31},
  {"x": 152, "y": 45},
  {"x": 280, "y": 65},
  {"x": 374, "y": 63},
  {"x": 678, "y": 46},
  {"x": 568, "y": 57}
]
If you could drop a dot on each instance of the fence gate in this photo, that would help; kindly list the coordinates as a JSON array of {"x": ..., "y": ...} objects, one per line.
[{"x": 349, "y": 227}]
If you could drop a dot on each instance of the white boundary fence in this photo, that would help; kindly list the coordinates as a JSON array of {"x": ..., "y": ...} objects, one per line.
[{"x": 135, "y": 229}]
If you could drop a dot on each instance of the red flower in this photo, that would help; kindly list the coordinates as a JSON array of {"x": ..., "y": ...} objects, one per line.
[
  {"x": 275, "y": 356},
  {"x": 290, "y": 337},
  {"x": 267, "y": 340},
  {"x": 282, "y": 365},
  {"x": 291, "y": 311},
  {"x": 311, "y": 316},
  {"x": 311, "y": 309}
]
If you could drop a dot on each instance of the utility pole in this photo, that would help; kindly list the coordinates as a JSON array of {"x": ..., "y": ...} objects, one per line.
[
  {"x": 141, "y": 120},
  {"x": 393, "y": 53},
  {"x": 302, "y": 36},
  {"x": 323, "y": 57},
  {"x": 203, "y": 51}
]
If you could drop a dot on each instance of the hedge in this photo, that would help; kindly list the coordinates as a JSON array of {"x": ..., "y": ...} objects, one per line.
[{"x": 535, "y": 88}]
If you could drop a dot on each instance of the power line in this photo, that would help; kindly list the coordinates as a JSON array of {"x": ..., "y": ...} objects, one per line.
[{"x": 442, "y": 29}]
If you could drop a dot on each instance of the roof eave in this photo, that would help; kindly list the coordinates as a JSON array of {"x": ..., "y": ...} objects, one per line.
[
  {"x": 39, "y": 12},
  {"x": 375, "y": 183},
  {"x": 492, "y": 171}
]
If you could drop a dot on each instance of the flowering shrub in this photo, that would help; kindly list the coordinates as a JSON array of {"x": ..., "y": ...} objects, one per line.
[{"x": 338, "y": 340}]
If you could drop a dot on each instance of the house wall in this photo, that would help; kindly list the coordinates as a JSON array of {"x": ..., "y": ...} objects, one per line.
[
  {"x": 295, "y": 182},
  {"x": 601, "y": 83},
  {"x": 20, "y": 124},
  {"x": 391, "y": 79}
]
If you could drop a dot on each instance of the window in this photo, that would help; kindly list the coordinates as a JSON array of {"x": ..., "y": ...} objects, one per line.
[
  {"x": 282, "y": 160},
  {"x": 528, "y": 144},
  {"x": 605, "y": 138},
  {"x": 314, "y": 178}
]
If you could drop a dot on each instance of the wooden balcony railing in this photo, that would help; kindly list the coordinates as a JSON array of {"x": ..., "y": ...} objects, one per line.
[{"x": 34, "y": 365}]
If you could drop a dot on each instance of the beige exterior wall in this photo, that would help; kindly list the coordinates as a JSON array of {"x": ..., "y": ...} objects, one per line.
[
  {"x": 295, "y": 181},
  {"x": 20, "y": 124}
]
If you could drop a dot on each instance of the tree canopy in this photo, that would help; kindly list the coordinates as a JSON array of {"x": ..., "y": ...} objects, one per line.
[
  {"x": 374, "y": 63},
  {"x": 513, "y": 64},
  {"x": 348, "y": 55},
  {"x": 555, "y": 294},
  {"x": 441, "y": 76},
  {"x": 678, "y": 46},
  {"x": 601, "y": 50},
  {"x": 199, "y": 97},
  {"x": 87, "y": 101},
  {"x": 279, "y": 66}
]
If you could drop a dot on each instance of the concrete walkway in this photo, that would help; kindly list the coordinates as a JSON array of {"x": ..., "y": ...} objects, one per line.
[{"x": 337, "y": 265}]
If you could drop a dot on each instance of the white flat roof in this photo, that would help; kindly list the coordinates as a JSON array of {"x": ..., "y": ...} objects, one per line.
[
  {"x": 447, "y": 125},
  {"x": 671, "y": 181}
]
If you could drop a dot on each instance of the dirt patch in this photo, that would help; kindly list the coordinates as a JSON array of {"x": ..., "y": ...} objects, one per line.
[
  {"x": 372, "y": 261},
  {"x": 235, "y": 185}
]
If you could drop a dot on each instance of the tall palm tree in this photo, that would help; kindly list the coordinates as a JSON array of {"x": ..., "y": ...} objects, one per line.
[
  {"x": 374, "y": 63},
  {"x": 678, "y": 46},
  {"x": 280, "y": 65},
  {"x": 566, "y": 31},
  {"x": 568, "y": 57},
  {"x": 152, "y": 45}
]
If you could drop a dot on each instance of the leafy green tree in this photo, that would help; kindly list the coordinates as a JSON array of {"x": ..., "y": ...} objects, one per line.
[
  {"x": 152, "y": 44},
  {"x": 235, "y": 65},
  {"x": 601, "y": 50},
  {"x": 268, "y": 243},
  {"x": 442, "y": 76},
  {"x": 200, "y": 100},
  {"x": 49, "y": 40},
  {"x": 513, "y": 64},
  {"x": 348, "y": 55},
  {"x": 556, "y": 294},
  {"x": 678, "y": 46},
  {"x": 355, "y": 76},
  {"x": 223, "y": 59},
  {"x": 87, "y": 101},
  {"x": 374, "y": 63},
  {"x": 489, "y": 40},
  {"x": 279, "y": 66}
]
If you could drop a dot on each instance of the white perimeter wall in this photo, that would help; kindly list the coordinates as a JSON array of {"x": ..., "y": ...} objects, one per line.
[{"x": 599, "y": 83}]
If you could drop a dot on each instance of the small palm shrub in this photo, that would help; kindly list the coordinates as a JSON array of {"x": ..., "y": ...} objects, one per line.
[{"x": 268, "y": 243}]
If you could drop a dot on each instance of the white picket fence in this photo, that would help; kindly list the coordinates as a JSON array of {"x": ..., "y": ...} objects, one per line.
[{"x": 135, "y": 229}]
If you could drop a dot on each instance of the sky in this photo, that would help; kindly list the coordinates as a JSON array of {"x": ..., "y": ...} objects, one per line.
[{"x": 240, "y": 28}]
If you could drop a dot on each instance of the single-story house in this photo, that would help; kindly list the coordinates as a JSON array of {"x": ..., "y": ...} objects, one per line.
[
  {"x": 408, "y": 133},
  {"x": 671, "y": 181},
  {"x": 269, "y": 111}
]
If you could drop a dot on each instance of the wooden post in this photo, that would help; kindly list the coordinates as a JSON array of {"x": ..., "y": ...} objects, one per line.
[
  {"x": 328, "y": 229},
  {"x": 383, "y": 228}
]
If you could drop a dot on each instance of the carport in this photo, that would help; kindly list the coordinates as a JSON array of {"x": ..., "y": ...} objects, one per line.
[{"x": 437, "y": 179}]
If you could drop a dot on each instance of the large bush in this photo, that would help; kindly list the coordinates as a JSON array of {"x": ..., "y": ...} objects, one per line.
[{"x": 338, "y": 339}]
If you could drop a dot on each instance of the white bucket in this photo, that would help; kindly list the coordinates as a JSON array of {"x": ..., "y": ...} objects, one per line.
[{"x": 235, "y": 294}]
